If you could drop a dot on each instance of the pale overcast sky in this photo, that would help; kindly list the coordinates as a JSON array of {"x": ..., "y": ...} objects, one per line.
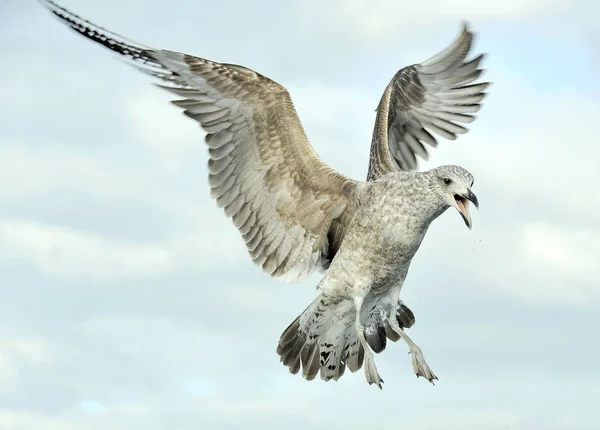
[{"x": 128, "y": 301}]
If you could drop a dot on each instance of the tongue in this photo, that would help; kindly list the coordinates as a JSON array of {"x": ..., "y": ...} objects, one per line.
[{"x": 463, "y": 208}]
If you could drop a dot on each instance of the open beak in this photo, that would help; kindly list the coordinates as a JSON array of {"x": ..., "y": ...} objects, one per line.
[{"x": 462, "y": 205}]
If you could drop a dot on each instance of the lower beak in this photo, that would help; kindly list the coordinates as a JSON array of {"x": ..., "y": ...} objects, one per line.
[{"x": 462, "y": 204}]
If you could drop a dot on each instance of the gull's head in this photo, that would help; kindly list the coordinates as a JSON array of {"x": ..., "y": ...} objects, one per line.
[{"x": 454, "y": 185}]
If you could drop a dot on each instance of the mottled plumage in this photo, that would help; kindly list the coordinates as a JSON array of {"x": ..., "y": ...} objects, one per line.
[{"x": 296, "y": 214}]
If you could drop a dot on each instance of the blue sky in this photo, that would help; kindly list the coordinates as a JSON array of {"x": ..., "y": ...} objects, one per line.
[{"x": 127, "y": 300}]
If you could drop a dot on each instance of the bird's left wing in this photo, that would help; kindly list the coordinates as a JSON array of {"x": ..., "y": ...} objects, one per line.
[{"x": 430, "y": 97}]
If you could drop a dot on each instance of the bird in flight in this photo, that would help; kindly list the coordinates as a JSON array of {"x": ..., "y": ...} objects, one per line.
[{"x": 297, "y": 215}]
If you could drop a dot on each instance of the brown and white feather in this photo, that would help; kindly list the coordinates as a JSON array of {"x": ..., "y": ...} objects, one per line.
[{"x": 285, "y": 201}]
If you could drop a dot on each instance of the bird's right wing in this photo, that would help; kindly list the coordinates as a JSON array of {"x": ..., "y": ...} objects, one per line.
[
  {"x": 263, "y": 171},
  {"x": 430, "y": 97}
]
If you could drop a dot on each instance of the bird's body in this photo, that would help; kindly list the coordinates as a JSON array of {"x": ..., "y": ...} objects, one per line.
[
  {"x": 363, "y": 283},
  {"x": 391, "y": 220},
  {"x": 296, "y": 214}
]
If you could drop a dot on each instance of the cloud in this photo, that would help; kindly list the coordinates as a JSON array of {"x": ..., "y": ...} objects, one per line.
[
  {"x": 128, "y": 299},
  {"x": 568, "y": 254},
  {"x": 19, "y": 354},
  {"x": 77, "y": 237},
  {"x": 387, "y": 24},
  {"x": 60, "y": 251},
  {"x": 161, "y": 129}
]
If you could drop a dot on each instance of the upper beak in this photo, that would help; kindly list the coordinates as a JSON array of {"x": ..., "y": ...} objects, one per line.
[
  {"x": 462, "y": 204},
  {"x": 472, "y": 198}
]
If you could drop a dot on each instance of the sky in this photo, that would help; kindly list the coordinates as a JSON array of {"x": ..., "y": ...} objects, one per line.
[{"x": 128, "y": 300}]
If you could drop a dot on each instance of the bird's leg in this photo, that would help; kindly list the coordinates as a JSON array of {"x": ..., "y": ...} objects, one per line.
[
  {"x": 419, "y": 364},
  {"x": 399, "y": 311},
  {"x": 395, "y": 298},
  {"x": 418, "y": 361},
  {"x": 370, "y": 369}
]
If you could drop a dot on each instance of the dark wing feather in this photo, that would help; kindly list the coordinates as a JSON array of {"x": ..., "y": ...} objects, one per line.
[{"x": 424, "y": 100}]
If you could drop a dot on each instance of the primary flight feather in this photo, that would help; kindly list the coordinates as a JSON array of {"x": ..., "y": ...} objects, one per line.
[{"x": 296, "y": 214}]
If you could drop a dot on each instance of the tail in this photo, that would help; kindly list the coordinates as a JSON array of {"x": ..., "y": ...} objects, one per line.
[
  {"x": 320, "y": 341},
  {"x": 323, "y": 340}
]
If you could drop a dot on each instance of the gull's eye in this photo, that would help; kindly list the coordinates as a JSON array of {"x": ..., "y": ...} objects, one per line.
[{"x": 447, "y": 181}]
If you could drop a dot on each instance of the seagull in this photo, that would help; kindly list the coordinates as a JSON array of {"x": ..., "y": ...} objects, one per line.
[{"x": 297, "y": 215}]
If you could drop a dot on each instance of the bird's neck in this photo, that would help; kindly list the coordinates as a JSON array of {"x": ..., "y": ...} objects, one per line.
[
  {"x": 422, "y": 196},
  {"x": 432, "y": 205},
  {"x": 403, "y": 200}
]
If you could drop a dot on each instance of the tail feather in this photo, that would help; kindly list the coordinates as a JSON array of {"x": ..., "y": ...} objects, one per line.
[
  {"x": 323, "y": 340},
  {"x": 332, "y": 344},
  {"x": 310, "y": 361},
  {"x": 295, "y": 367},
  {"x": 315, "y": 341},
  {"x": 293, "y": 356},
  {"x": 289, "y": 334},
  {"x": 356, "y": 360},
  {"x": 290, "y": 344},
  {"x": 354, "y": 354}
]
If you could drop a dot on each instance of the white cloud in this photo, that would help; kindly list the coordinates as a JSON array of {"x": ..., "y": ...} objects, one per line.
[
  {"x": 34, "y": 171},
  {"x": 75, "y": 186},
  {"x": 338, "y": 120},
  {"x": 569, "y": 254},
  {"x": 160, "y": 128},
  {"x": 104, "y": 184},
  {"x": 548, "y": 154},
  {"x": 19, "y": 354},
  {"x": 387, "y": 23},
  {"x": 65, "y": 252}
]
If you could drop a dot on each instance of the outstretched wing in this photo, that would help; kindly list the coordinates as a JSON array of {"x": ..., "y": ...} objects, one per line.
[
  {"x": 426, "y": 98},
  {"x": 287, "y": 204}
]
